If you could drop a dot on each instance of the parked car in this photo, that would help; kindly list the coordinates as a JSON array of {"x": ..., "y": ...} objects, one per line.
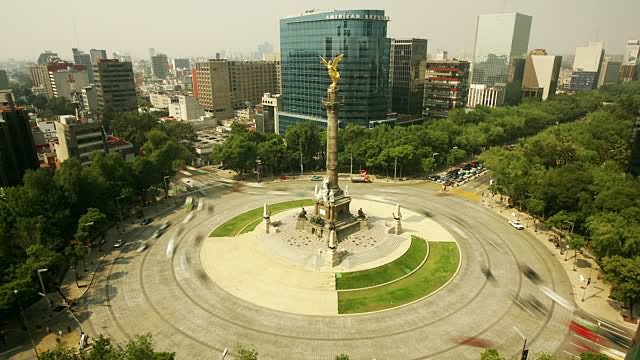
[
  {"x": 516, "y": 224},
  {"x": 146, "y": 221},
  {"x": 316, "y": 178},
  {"x": 118, "y": 243}
]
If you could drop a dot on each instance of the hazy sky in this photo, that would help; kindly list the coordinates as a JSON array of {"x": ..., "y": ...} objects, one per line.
[{"x": 204, "y": 27}]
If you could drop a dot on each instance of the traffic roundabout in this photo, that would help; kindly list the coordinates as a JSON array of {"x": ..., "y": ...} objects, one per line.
[{"x": 193, "y": 292}]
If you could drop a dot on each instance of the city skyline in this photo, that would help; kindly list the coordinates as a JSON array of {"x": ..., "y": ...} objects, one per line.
[{"x": 122, "y": 30}]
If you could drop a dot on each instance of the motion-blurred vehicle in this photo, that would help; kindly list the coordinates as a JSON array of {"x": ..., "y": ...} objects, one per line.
[
  {"x": 146, "y": 221},
  {"x": 316, "y": 178},
  {"x": 164, "y": 226},
  {"x": 142, "y": 248},
  {"x": 118, "y": 243},
  {"x": 516, "y": 224}
]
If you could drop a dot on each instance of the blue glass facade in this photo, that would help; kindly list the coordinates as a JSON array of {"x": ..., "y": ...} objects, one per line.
[{"x": 361, "y": 35}]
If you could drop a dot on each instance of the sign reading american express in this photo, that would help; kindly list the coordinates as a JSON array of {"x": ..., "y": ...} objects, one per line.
[{"x": 356, "y": 16}]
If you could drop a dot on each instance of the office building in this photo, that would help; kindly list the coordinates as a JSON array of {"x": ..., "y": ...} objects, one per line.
[
  {"x": 515, "y": 75},
  {"x": 361, "y": 36},
  {"x": 47, "y": 57},
  {"x": 60, "y": 79},
  {"x": 407, "y": 75},
  {"x": 446, "y": 86},
  {"x": 184, "y": 107},
  {"x": 631, "y": 62},
  {"x": 266, "y": 116},
  {"x": 159, "y": 101},
  {"x": 541, "y": 74},
  {"x": 40, "y": 80},
  {"x": 78, "y": 140},
  {"x": 223, "y": 86},
  {"x": 586, "y": 67},
  {"x": 17, "y": 148},
  {"x": 609, "y": 72},
  {"x": 181, "y": 64},
  {"x": 4, "y": 80},
  {"x": 115, "y": 89},
  {"x": 499, "y": 38},
  {"x": 80, "y": 57},
  {"x": 89, "y": 102},
  {"x": 97, "y": 55},
  {"x": 67, "y": 79},
  {"x": 160, "y": 66}
]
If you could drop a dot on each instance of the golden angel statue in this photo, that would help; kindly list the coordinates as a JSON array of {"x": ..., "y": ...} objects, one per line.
[{"x": 332, "y": 69}]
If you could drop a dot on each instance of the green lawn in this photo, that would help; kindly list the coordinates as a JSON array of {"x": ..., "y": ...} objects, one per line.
[
  {"x": 440, "y": 266},
  {"x": 248, "y": 221},
  {"x": 403, "y": 265}
]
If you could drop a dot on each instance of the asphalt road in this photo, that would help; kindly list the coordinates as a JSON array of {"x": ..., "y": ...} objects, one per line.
[{"x": 166, "y": 293}]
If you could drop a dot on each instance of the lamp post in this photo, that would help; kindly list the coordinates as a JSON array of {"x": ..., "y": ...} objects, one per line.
[
  {"x": 119, "y": 210},
  {"x": 166, "y": 186},
  {"x": 395, "y": 167},
  {"x": 258, "y": 167},
  {"x": 24, "y": 322},
  {"x": 525, "y": 351},
  {"x": 44, "y": 291}
]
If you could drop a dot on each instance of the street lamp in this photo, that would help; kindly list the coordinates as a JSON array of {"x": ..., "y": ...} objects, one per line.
[
  {"x": 525, "y": 351},
  {"x": 258, "y": 167},
  {"x": 44, "y": 291},
  {"x": 166, "y": 187},
  {"x": 24, "y": 322}
]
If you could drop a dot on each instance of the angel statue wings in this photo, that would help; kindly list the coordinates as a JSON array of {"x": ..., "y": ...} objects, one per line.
[{"x": 332, "y": 69}]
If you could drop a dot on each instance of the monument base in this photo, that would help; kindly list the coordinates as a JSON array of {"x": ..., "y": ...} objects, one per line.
[{"x": 332, "y": 215}]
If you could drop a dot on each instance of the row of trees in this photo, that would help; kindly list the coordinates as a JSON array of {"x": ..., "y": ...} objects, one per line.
[
  {"x": 579, "y": 178},
  {"x": 139, "y": 348},
  {"x": 493, "y": 354},
  {"x": 413, "y": 151},
  {"x": 49, "y": 220}
]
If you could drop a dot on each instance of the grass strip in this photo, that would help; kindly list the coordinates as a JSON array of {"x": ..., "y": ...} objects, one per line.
[
  {"x": 248, "y": 221},
  {"x": 440, "y": 266},
  {"x": 401, "y": 266}
]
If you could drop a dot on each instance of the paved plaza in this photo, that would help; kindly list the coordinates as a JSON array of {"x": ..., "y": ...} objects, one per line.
[{"x": 290, "y": 271}]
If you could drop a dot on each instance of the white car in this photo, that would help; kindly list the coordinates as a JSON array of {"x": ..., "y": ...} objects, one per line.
[
  {"x": 164, "y": 226},
  {"x": 118, "y": 243},
  {"x": 516, "y": 224}
]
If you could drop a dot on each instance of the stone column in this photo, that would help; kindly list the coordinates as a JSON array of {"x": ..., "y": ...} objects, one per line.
[{"x": 332, "y": 138}]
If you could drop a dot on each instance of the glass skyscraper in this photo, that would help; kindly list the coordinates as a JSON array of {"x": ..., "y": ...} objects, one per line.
[
  {"x": 361, "y": 35},
  {"x": 499, "y": 38}
]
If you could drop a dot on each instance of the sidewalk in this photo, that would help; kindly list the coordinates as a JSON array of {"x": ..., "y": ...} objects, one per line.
[
  {"x": 593, "y": 299},
  {"x": 61, "y": 324}
]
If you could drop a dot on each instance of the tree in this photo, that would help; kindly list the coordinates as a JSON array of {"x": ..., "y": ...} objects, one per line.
[
  {"x": 237, "y": 153},
  {"x": 139, "y": 348},
  {"x": 246, "y": 353},
  {"x": 623, "y": 274},
  {"x": 91, "y": 225},
  {"x": 593, "y": 356},
  {"x": 491, "y": 354},
  {"x": 342, "y": 357}
]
